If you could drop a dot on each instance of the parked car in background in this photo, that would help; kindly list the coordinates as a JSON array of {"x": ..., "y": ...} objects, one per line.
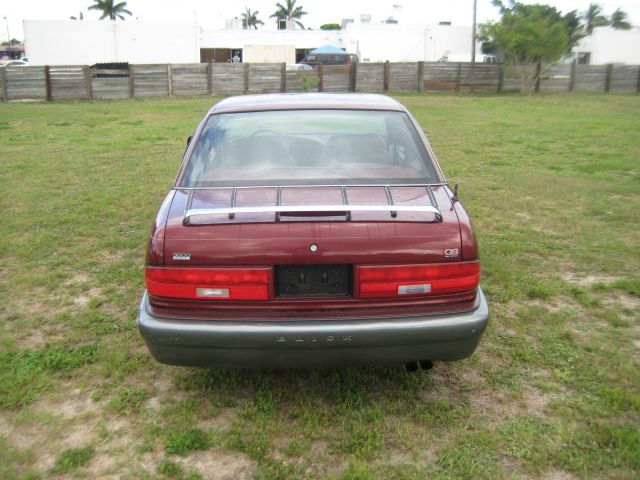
[
  {"x": 296, "y": 67},
  {"x": 311, "y": 230},
  {"x": 465, "y": 58},
  {"x": 13, "y": 63},
  {"x": 315, "y": 59}
]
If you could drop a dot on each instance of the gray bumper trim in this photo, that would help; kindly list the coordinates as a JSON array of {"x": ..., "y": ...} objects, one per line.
[{"x": 313, "y": 343}]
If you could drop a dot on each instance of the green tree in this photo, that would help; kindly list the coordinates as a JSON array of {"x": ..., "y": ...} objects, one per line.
[
  {"x": 530, "y": 35},
  {"x": 111, "y": 9},
  {"x": 289, "y": 12},
  {"x": 330, "y": 26},
  {"x": 619, "y": 20},
  {"x": 250, "y": 19},
  {"x": 593, "y": 18}
]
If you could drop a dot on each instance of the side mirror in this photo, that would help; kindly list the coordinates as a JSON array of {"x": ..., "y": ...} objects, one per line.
[{"x": 189, "y": 140}]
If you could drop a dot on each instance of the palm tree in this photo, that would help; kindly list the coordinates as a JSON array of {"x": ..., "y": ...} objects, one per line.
[
  {"x": 619, "y": 20},
  {"x": 593, "y": 18},
  {"x": 250, "y": 19},
  {"x": 111, "y": 9},
  {"x": 289, "y": 12}
]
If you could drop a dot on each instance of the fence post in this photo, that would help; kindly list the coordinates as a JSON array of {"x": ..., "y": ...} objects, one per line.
[
  {"x": 283, "y": 77},
  {"x": 607, "y": 77},
  {"x": 320, "y": 79},
  {"x": 3, "y": 72},
  {"x": 472, "y": 80},
  {"x": 500, "y": 78},
  {"x": 131, "y": 84},
  {"x": 47, "y": 82},
  {"x": 246, "y": 78},
  {"x": 354, "y": 73},
  {"x": 86, "y": 72},
  {"x": 572, "y": 76},
  {"x": 538, "y": 70},
  {"x": 170, "y": 79},
  {"x": 458, "y": 75},
  {"x": 387, "y": 76},
  {"x": 209, "y": 78},
  {"x": 420, "y": 77},
  {"x": 638, "y": 84}
]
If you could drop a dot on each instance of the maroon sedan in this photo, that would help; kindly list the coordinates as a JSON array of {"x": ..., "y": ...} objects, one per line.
[{"x": 311, "y": 230}]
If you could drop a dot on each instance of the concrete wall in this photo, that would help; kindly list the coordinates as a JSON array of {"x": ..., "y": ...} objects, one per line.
[
  {"x": 372, "y": 42},
  {"x": 70, "y": 42},
  {"x": 608, "y": 45},
  {"x": 409, "y": 43},
  {"x": 269, "y": 54},
  {"x": 294, "y": 38}
]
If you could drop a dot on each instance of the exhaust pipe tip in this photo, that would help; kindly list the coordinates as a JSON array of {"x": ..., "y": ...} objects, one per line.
[
  {"x": 411, "y": 366},
  {"x": 426, "y": 364}
]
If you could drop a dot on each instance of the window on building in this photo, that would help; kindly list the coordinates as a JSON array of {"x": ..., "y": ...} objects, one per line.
[{"x": 583, "y": 58}]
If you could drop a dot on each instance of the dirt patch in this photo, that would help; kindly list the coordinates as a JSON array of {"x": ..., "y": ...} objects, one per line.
[
  {"x": 221, "y": 422},
  {"x": 40, "y": 302},
  {"x": 37, "y": 339},
  {"x": 535, "y": 401},
  {"x": 319, "y": 447},
  {"x": 622, "y": 299},
  {"x": 79, "y": 403},
  {"x": 498, "y": 407},
  {"x": 83, "y": 299},
  {"x": 559, "y": 475},
  {"x": 588, "y": 280},
  {"x": 217, "y": 465},
  {"x": 557, "y": 305},
  {"x": 102, "y": 466}
]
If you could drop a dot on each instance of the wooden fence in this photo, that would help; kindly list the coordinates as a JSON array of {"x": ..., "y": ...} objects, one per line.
[{"x": 82, "y": 82}]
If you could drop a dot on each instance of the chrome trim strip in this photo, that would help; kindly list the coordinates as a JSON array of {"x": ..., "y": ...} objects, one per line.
[
  {"x": 278, "y": 209},
  {"x": 442, "y": 184}
]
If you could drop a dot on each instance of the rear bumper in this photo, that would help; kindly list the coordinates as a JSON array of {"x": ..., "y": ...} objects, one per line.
[{"x": 313, "y": 343}]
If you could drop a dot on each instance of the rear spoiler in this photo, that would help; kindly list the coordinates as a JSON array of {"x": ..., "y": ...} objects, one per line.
[{"x": 344, "y": 209}]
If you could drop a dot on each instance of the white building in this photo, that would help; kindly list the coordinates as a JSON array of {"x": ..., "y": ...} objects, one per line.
[
  {"x": 88, "y": 42},
  {"x": 608, "y": 45},
  {"x": 407, "y": 43},
  {"x": 74, "y": 42}
]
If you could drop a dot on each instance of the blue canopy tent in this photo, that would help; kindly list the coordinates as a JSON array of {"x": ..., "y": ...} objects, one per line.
[{"x": 327, "y": 49}]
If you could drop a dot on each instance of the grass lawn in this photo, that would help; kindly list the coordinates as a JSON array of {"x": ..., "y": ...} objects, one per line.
[{"x": 553, "y": 185}]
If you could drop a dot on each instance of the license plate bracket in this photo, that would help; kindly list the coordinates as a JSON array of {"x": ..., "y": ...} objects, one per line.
[{"x": 313, "y": 280}]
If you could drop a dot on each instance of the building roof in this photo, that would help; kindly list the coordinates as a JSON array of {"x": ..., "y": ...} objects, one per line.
[{"x": 306, "y": 101}]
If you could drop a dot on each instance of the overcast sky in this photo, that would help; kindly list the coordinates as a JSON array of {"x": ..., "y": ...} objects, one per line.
[{"x": 213, "y": 13}]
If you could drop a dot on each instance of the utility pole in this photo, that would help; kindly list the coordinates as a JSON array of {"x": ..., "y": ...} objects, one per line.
[
  {"x": 473, "y": 33},
  {"x": 8, "y": 36}
]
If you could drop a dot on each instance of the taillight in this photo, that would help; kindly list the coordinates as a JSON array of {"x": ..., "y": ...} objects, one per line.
[
  {"x": 384, "y": 281},
  {"x": 209, "y": 283}
]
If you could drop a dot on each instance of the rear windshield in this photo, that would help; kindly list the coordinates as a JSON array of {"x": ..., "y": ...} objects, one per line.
[{"x": 314, "y": 147}]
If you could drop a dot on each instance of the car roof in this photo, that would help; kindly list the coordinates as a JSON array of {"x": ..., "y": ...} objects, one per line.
[{"x": 307, "y": 101}]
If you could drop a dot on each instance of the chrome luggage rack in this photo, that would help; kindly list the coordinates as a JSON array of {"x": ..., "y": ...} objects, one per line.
[{"x": 345, "y": 209}]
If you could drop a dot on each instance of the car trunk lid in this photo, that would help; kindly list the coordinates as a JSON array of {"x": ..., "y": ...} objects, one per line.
[{"x": 272, "y": 226}]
